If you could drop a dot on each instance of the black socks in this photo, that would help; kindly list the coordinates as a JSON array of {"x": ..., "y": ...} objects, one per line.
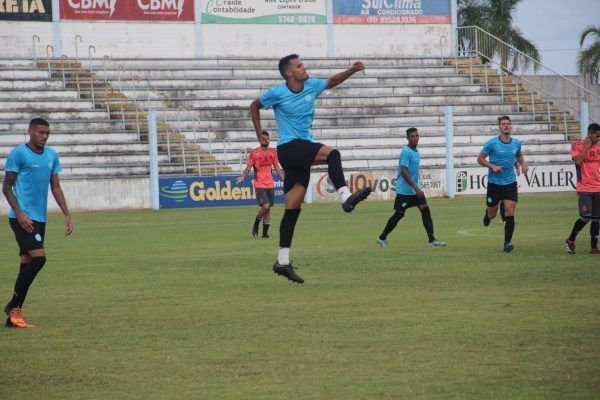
[
  {"x": 391, "y": 224},
  {"x": 334, "y": 168},
  {"x": 428, "y": 223},
  {"x": 509, "y": 228},
  {"x": 286, "y": 228},
  {"x": 594, "y": 232},
  {"x": 27, "y": 273},
  {"x": 578, "y": 226}
]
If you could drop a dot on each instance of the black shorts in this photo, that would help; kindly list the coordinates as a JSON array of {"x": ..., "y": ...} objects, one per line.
[
  {"x": 404, "y": 201},
  {"x": 28, "y": 241},
  {"x": 589, "y": 205},
  {"x": 296, "y": 158},
  {"x": 495, "y": 193},
  {"x": 265, "y": 195}
]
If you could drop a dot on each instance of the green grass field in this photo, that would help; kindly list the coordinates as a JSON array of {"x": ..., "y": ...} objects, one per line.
[{"x": 182, "y": 304}]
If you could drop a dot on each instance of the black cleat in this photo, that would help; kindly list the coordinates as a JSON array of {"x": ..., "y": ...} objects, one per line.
[
  {"x": 255, "y": 230},
  {"x": 287, "y": 271},
  {"x": 508, "y": 247},
  {"x": 356, "y": 198},
  {"x": 486, "y": 219},
  {"x": 264, "y": 236}
]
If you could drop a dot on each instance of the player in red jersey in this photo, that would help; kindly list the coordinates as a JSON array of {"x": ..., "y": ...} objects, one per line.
[
  {"x": 263, "y": 159},
  {"x": 586, "y": 156}
]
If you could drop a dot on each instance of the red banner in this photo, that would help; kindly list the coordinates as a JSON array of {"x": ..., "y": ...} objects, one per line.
[{"x": 128, "y": 10}]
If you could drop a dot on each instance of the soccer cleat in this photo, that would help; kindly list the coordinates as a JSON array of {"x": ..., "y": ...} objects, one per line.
[
  {"x": 595, "y": 250},
  {"x": 570, "y": 246},
  {"x": 265, "y": 236},
  {"x": 382, "y": 242},
  {"x": 508, "y": 247},
  {"x": 486, "y": 219},
  {"x": 438, "y": 243},
  {"x": 356, "y": 198},
  {"x": 287, "y": 271},
  {"x": 15, "y": 318},
  {"x": 255, "y": 230}
]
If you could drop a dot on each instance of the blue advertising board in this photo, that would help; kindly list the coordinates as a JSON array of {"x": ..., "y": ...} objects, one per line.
[
  {"x": 391, "y": 11},
  {"x": 213, "y": 191}
]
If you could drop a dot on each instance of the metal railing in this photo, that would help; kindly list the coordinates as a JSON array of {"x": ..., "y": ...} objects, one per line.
[{"x": 526, "y": 71}]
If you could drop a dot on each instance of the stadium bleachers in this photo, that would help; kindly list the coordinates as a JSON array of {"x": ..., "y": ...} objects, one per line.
[{"x": 97, "y": 109}]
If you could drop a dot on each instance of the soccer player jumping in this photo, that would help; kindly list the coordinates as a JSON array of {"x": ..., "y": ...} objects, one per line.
[
  {"x": 504, "y": 151},
  {"x": 263, "y": 159},
  {"x": 294, "y": 105},
  {"x": 586, "y": 156},
  {"x": 29, "y": 169}
]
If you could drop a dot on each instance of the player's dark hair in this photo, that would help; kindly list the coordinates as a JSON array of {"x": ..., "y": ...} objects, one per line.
[
  {"x": 504, "y": 117},
  {"x": 285, "y": 62},
  {"x": 411, "y": 130},
  {"x": 594, "y": 127},
  {"x": 265, "y": 133},
  {"x": 38, "y": 121}
]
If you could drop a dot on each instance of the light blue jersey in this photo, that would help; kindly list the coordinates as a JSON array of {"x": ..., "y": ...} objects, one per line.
[
  {"x": 33, "y": 178},
  {"x": 504, "y": 155},
  {"x": 294, "y": 112},
  {"x": 410, "y": 159}
]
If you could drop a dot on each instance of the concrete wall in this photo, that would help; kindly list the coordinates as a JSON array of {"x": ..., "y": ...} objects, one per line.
[
  {"x": 188, "y": 39},
  {"x": 170, "y": 40},
  {"x": 391, "y": 40},
  {"x": 99, "y": 194}
]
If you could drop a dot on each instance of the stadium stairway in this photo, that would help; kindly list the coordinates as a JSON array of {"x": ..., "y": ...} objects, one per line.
[{"x": 98, "y": 111}]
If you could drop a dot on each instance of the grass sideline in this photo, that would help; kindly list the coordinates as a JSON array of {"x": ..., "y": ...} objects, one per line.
[{"x": 182, "y": 304}]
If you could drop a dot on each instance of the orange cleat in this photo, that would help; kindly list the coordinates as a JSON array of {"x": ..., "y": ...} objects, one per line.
[{"x": 15, "y": 319}]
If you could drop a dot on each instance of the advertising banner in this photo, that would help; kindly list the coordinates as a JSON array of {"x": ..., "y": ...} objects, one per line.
[
  {"x": 214, "y": 191},
  {"x": 264, "y": 12},
  {"x": 433, "y": 182},
  {"x": 128, "y": 10},
  {"x": 545, "y": 178},
  {"x": 391, "y": 11},
  {"x": 26, "y": 10}
]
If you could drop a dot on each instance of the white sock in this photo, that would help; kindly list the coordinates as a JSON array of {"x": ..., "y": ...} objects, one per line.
[
  {"x": 344, "y": 194},
  {"x": 284, "y": 256}
]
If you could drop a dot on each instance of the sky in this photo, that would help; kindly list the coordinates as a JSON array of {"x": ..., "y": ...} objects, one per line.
[{"x": 555, "y": 27}]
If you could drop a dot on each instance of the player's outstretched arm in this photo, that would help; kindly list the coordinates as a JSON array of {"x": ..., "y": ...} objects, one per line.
[
  {"x": 255, "y": 107},
  {"x": 342, "y": 76},
  {"x": 62, "y": 203}
]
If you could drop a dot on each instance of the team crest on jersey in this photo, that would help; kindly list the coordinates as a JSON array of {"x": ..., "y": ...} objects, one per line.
[{"x": 308, "y": 97}]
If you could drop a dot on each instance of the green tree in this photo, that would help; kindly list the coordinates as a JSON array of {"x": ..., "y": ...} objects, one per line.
[
  {"x": 497, "y": 18},
  {"x": 588, "y": 60}
]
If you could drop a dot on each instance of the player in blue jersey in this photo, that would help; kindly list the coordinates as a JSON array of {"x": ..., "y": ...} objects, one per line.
[
  {"x": 505, "y": 158},
  {"x": 408, "y": 191},
  {"x": 30, "y": 167},
  {"x": 294, "y": 105}
]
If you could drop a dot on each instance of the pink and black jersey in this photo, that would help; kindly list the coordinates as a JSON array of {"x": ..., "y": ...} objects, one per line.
[
  {"x": 588, "y": 172},
  {"x": 263, "y": 162}
]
